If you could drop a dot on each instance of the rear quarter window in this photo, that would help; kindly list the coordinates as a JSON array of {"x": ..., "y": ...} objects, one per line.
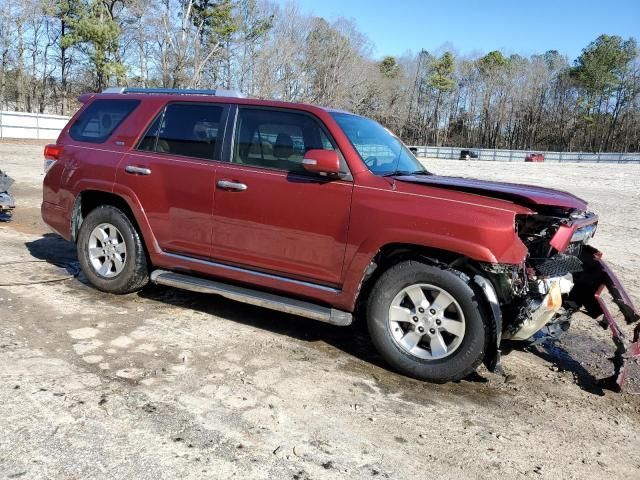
[
  {"x": 186, "y": 129},
  {"x": 100, "y": 119}
]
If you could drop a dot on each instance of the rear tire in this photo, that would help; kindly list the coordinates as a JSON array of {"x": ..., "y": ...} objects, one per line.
[
  {"x": 426, "y": 322},
  {"x": 111, "y": 252}
]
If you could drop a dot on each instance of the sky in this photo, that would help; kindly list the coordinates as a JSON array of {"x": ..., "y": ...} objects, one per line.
[{"x": 517, "y": 26}]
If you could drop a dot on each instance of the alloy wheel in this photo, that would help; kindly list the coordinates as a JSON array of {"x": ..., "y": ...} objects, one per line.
[
  {"x": 107, "y": 250},
  {"x": 426, "y": 321}
]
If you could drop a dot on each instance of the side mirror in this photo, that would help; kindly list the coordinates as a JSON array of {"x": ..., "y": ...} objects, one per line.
[{"x": 322, "y": 162}]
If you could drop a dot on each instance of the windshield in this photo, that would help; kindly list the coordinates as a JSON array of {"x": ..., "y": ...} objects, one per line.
[{"x": 380, "y": 150}]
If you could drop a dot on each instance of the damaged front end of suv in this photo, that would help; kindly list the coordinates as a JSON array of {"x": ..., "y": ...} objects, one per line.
[{"x": 561, "y": 275}]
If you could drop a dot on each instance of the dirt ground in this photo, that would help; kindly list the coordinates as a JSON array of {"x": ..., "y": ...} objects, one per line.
[{"x": 171, "y": 384}]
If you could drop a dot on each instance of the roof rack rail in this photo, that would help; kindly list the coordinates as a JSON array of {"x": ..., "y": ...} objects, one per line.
[{"x": 175, "y": 91}]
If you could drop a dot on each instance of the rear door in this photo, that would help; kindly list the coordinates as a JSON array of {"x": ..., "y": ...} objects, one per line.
[
  {"x": 172, "y": 172},
  {"x": 269, "y": 213}
]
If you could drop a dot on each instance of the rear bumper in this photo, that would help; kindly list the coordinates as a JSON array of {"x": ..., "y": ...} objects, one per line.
[
  {"x": 597, "y": 278},
  {"x": 56, "y": 218}
]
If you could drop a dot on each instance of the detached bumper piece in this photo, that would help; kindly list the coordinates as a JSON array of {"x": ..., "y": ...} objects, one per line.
[
  {"x": 7, "y": 202},
  {"x": 625, "y": 351},
  {"x": 589, "y": 293}
]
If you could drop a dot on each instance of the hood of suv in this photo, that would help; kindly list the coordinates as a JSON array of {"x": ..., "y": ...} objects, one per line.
[{"x": 528, "y": 195}]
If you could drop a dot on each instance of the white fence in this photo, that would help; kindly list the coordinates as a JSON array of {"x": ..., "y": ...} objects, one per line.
[
  {"x": 518, "y": 155},
  {"x": 31, "y": 125},
  {"x": 48, "y": 127}
]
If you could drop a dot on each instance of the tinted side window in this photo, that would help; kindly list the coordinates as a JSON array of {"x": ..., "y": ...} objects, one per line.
[
  {"x": 100, "y": 119},
  {"x": 277, "y": 139},
  {"x": 192, "y": 130}
]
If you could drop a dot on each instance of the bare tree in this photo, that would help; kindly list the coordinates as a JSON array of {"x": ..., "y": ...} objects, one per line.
[{"x": 53, "y": 50}]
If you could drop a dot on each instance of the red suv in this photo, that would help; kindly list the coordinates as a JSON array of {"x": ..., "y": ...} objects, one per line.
[{"x": 322, "y": 214}]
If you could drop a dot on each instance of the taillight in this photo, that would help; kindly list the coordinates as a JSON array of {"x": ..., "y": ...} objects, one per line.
[
  {"x": 51, "y": 156},
  {"x": 52, "y": 152}
]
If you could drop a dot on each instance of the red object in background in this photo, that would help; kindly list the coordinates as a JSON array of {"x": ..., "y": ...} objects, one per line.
[{"x": 534, "y": 157}]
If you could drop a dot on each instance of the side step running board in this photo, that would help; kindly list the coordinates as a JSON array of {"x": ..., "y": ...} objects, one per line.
[{"x": 253, "y": 297}]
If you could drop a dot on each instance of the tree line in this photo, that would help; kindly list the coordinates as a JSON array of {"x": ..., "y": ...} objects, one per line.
[{"x": 53, "y": 50}]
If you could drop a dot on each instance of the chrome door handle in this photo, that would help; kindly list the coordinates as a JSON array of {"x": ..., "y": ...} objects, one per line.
[
  {"x": 227, "y": 185},
  {"x": 137, "y": 170}
]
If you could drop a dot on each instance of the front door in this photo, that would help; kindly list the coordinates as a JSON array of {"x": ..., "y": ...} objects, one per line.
[
  {"x": 172, "y": 172},
  {"x": 271, "y": 215}
]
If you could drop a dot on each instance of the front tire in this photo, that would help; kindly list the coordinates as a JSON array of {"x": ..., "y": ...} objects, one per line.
[
  {"x": 111, "y": 253},
  {"x": 426, "y": 322}
]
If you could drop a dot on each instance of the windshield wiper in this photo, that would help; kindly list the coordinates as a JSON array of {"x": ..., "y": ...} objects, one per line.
[{"x": 396, "y": 173}]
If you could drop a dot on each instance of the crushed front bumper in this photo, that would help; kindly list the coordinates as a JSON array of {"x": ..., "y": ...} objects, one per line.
[{"x": 588, "y": 293}]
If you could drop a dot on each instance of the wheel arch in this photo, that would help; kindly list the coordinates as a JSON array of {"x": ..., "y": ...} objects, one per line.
[
  {"x": 394, "y": 253},
  {"x": 89, "y": 200}
]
